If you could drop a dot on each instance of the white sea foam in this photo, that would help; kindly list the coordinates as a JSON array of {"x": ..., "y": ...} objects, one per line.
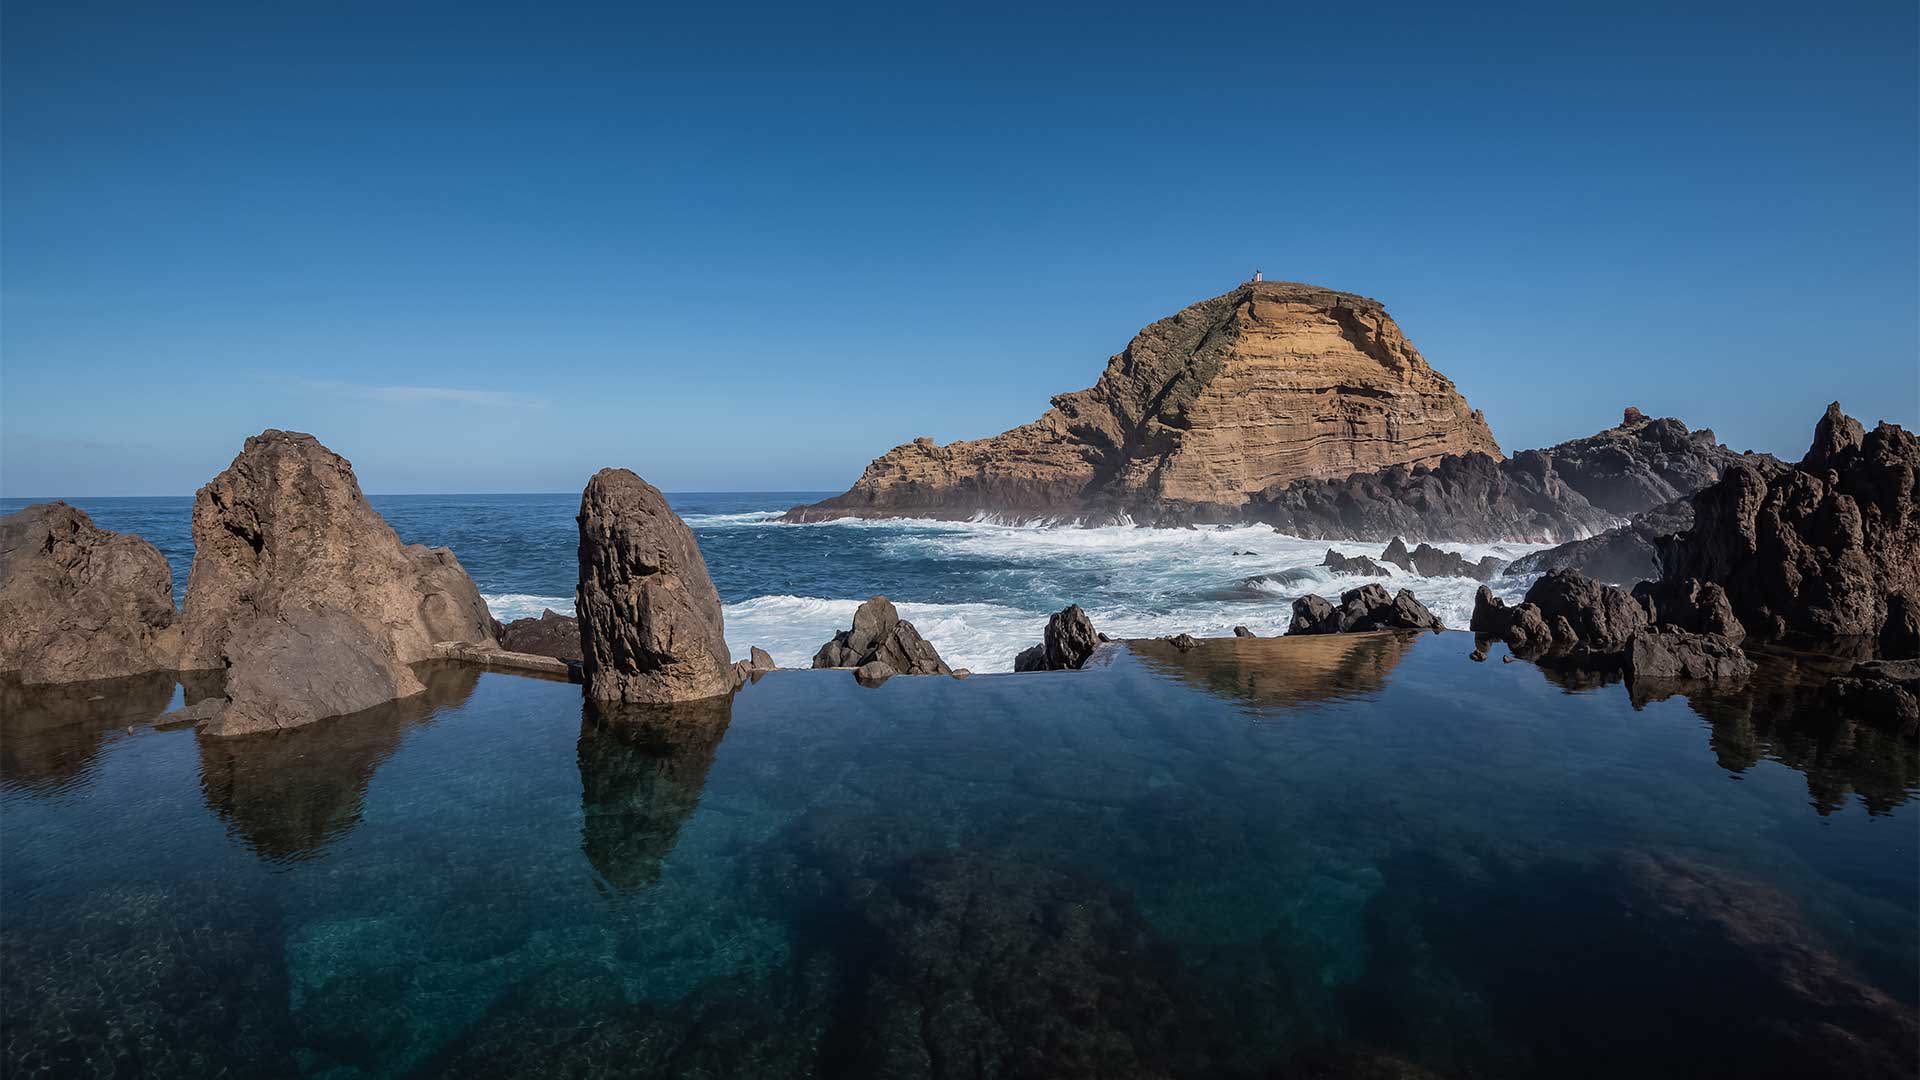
[
  {"x": 510, "y": 606},
  {"x": 1134, "y": 582}
]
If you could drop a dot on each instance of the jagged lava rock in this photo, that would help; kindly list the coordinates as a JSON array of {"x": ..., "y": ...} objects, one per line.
[
  {"x": 552, "y": 634},
  {"x": 1665, "y": 653},
  {"x": 78, "y": 602},
  {"x": 1270, "y": 383},
  {"x": 651, "y": 630},
  {"x": 1883, "y": 692},
  {"x": 1822, "y": 551},
  {"x": 1596, "y": 618},
  {"x": 307, "y": 597},
  {"x": 1368, "y": 607},
  {"x": 880, "y": 634},
  {"x": 1069, "y": 641},
  {"x": 1357, "y": 565}
]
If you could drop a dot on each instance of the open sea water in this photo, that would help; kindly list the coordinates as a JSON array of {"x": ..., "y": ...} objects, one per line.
[{"x": 979, "y": 591}]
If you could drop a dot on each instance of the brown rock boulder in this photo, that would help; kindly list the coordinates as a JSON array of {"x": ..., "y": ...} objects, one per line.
[
  {"x": 1823, "y": 551},
  {"x": 1205, "y": 409},
  {"x": 1585, "y": 614},
  {"x": 78, "y": 602},
  {"x": 307, "y": 597},
  {"x": 651, "y": 630},
  {"x": 880, "y": 634}
]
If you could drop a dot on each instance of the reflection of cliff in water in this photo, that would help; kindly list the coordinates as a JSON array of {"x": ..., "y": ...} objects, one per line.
[
  {"x": 1282, "y": 672},
  {"x": 51, "y": 735},
  {"x": 642, "y": 769},
  {"x": 288, "y": 794}
]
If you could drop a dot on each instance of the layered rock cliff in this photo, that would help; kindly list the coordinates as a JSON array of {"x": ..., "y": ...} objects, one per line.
[{"x": 1271, "y": 383}]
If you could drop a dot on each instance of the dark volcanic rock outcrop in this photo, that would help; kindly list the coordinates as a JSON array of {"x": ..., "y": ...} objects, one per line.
[
  {"x": 1682, "y": 634},
  {"x": 1357, "y": 565},
  {"x": 1429, "y": 561},
  {"x": 78, "y": 602},
  {"x": 1368, "y": 607},
  {"x": 651, "y": 630},
  {"x": 880, "y": 635},
  {"x": 1823, "y": 551},
  {"x": 1069, "y": 642},
  {"x": 552, "y": 634},
  {"x": 306, "y": 597},
  {"x": 1270, "y": 383},
  {"x": 1884, "y": 692},
  {"x": 1572, "y": 490}
]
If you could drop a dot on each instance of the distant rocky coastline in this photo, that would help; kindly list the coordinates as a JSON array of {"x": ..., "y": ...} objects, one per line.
[{"x": 1294, "y": 406}]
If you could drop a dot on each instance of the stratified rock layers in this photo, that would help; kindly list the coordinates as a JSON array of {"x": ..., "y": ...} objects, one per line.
[
  {"x": 651, "y": 630},
  {"x": 1270, "y": 383}
]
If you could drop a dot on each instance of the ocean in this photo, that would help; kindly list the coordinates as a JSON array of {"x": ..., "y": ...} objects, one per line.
[{"x": 979, "y": 591}]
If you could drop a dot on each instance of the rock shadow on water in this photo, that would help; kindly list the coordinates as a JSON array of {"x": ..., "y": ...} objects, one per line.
[
  {"x": 1638, "y": 964},
  {"x": 1271, "y": 675},
  {"x": 288, "y": 794},
  {"x": 642, "y": 770},
  {"x": 51, "y": 735}
]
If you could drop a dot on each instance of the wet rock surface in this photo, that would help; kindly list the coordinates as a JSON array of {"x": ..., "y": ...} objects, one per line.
[
  {"x": 1069, "y": 642},
  {"x": 651, "y": 629},
  {"x": 1357, "y": 565},
  {"x": 78, "y": 602},
  {"x": 879, "y": 635},
  {"x": 1368, "y": 607}
]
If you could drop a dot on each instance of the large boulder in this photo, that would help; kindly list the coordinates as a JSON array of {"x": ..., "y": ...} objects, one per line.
[
  {"x": 1820, "y": 552},
  {"x": 1666, "y": 654},
  {"x": 78, "y": 602},
  {"x": 307, "y": 597},
  {"x": 1070, "y": 640},
  {"x": 651, "y": 630},
  {"x": 1356, "y": 565},
  {"x": 1368, "y": 607},
  {"x": 880, "y": 634}
]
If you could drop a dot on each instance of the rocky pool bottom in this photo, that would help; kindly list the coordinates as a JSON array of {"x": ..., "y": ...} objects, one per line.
[{"x": 1347, "y": 856}]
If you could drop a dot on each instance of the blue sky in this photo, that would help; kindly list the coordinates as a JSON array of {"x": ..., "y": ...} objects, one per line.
[{"x": 486, "y": 248}]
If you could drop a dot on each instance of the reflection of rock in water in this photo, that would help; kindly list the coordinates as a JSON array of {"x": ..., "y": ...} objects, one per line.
[
  {"x": 50, "y": 735},
  {"x": 1780, "y": 716},
  {"x": 289, "y": 793},
  {"x": 182, "y": 980},
  {"x": 641, "y": 771},
  {"x": 1639, "y": 965},
  {"x": 1280, "y": 673}
]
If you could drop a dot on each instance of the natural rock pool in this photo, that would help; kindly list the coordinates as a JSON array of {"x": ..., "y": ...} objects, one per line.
[{"x": 1343, "y": 856}]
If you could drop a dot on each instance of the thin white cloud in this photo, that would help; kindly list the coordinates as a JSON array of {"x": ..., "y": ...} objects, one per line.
[{"x": 455, "y": 394}]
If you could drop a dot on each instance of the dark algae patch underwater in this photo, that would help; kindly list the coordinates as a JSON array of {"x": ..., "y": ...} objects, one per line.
[{"x": 1353, "y": 856}]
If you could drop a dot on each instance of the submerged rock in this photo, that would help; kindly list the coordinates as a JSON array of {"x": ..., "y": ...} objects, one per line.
[
  {"x": 78, "y": 602},
  {"x": 880, "y": 634},
  {"x": 1882, "y": 692},
  {"x": 307, "y": 597},
  {"x": 651, "y": 630},
  {"x": 1069, "y": 642},
  {"x": 1368, "y": 607}
]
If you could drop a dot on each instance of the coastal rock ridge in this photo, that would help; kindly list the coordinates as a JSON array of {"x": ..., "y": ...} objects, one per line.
[{"x": 1268, "y": 384}]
